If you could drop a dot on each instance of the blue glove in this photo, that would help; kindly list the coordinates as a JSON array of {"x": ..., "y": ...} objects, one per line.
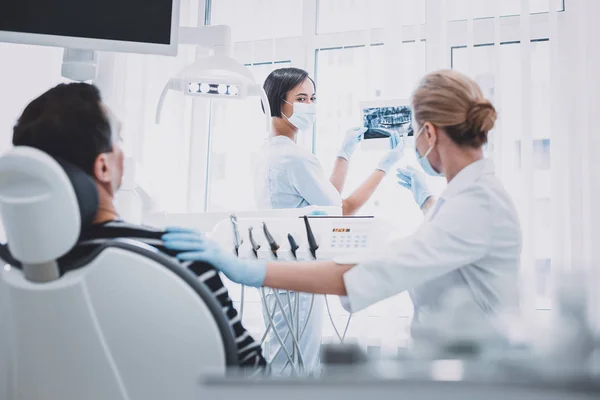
[
  {"x": 194, "y": 246},
  {"x": 317, "y": 212},
  {"x": 414, "y": 181},
  {"x": 397, "y": 143},
  {"x": 351, "y": 140}
]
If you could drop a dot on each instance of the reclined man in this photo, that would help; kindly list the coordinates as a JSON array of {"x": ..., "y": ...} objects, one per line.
[{"x": 71, "y": 122}]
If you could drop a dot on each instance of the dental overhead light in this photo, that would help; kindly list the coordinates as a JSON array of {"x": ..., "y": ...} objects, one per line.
[{"x": 214, "y": 77}]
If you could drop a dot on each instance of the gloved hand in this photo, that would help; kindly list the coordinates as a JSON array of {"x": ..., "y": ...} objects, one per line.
[
  {"x": 351, "y": 140},
  {"x": 317, "y": 212},
  {"x": 195, "y": 246},
  {"x": 414, "y": 181},
  {"x": 397, "y": 143}
]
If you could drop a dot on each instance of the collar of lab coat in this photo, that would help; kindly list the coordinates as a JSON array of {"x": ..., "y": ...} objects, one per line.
[
  {"x": 467, "y": 176},
  {"x": 281, "y": 139}
]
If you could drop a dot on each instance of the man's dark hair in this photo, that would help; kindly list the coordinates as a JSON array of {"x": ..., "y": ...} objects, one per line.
[
  {"x": 279, "y": 83},
  {"x": 67, "y": 122}
]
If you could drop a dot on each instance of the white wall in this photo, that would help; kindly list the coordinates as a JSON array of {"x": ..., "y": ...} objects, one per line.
[{"x": 25, "y": 72}]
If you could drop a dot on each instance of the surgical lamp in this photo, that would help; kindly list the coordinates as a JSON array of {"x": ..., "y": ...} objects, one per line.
[{"x": 217, "y": 76}]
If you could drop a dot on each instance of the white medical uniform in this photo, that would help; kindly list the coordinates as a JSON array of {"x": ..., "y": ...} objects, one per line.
[
  {"x": 470, "y": 241},
  {"x": 288, "y": 176}
]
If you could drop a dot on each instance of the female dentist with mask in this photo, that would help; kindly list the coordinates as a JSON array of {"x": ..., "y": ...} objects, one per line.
[
  {"x": 289, "y": 176},
  {"x": 469, "y": 242}
]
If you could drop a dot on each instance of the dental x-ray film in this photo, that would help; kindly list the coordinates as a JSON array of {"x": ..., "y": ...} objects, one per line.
[{"x": 382, "y": 121}]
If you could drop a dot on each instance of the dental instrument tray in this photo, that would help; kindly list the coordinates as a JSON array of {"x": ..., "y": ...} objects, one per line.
[{"x": 315, "y": 237}]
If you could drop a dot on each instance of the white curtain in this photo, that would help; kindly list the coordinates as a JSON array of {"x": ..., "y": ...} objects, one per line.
[{"x": 576, "y": 103}]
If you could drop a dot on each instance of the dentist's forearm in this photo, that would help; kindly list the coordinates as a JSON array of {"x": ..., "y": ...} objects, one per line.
[
  {"x": 339, "y": 174},
  {"x": 318, "y": 277},
  {"x": 360, "y": 196},
  {"x": 430, "y": 202}
]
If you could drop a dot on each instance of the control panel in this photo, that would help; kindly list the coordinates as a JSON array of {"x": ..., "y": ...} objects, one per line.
[
  {"x": 349, "y": 236},
  {"x": 288, "y": 238}
]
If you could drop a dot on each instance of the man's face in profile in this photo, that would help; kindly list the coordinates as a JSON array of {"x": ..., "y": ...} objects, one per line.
[{"x": 114, "y": 161}]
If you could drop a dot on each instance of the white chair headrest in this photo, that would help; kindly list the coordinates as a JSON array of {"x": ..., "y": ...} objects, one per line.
[{"x": 40, "y": 201}]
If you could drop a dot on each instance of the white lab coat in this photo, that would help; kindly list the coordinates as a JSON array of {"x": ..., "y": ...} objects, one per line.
[
  {"x": 288, "y": 176},
  {"x": 470, "y": 241}
]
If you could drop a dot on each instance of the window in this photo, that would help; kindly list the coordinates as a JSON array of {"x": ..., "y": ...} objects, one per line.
[
  {"x": 354, "y": 15},
  {"x": 237, "y": 133},
  {"x": 141, "y": 79},
  {"x": 259, "y": 19},
  {"x": 508, "y": 85},
  {"x": 459, "y": 9},
  {"x": 543, "y": 275}
]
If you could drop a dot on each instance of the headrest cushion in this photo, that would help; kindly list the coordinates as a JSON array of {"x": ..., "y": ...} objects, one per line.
[
  {"x": 45, "y": 204},
  {"x": 85, "y": 191}
]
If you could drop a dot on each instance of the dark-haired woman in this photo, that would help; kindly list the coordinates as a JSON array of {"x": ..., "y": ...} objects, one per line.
[{"x": 289, "y": 176}]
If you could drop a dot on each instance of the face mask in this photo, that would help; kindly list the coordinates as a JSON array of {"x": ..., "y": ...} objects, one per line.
[
  {"x": 424, "y": 161},
  {"x": 303, "y": 116}
]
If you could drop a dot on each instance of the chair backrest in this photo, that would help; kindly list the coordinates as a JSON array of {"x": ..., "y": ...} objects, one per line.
[
  {"x": 129, "y": 323},
  {"x": 40, "y": 208}
]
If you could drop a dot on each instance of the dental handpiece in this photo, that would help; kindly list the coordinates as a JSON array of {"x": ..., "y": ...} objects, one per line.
[
  {"x": 255, "y": 246},
  {"x": 312, "y": 243},
  {"x": 293, "y": 245},
  {"x": 272, "y": 243},
  {"x": 237, "y": 241}
]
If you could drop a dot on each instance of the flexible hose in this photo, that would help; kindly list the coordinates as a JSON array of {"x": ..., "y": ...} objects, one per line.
[
  {"x": 340, "y": 337},
  {"x": 308, "y": 314},
  {"x": 264, "y": 337},
  {"x": 285, "y": 318},
  {"x": 277, "y": 335},
  {"x": 291, "y": 328}
]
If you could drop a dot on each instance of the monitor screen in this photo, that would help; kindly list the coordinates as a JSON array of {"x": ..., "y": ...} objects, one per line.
[{"x": 145, "y": 22}]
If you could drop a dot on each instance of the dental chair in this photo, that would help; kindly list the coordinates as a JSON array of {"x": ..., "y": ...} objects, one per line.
[{"x": 125, "y": 322}]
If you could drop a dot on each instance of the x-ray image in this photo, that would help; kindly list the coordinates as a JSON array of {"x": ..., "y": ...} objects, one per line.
[{"x": 382, "y": 121}]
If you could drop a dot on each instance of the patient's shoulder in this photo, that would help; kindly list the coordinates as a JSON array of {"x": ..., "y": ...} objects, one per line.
[
  {"x": 119, "y": 229},
  {"x": 95, "y": 236}
]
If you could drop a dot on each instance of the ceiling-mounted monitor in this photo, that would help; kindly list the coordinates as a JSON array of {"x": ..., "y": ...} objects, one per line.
[{"x": 131, "y": 26}]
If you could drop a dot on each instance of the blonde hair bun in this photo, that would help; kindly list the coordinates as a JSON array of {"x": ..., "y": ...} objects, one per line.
[{"x": 454, "y": 102}]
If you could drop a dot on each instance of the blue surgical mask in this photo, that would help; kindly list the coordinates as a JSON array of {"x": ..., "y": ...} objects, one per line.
[{"x": 424, "y": 161}]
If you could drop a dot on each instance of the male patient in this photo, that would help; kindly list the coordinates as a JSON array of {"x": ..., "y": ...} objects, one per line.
[{"x": 69, "y": 121}]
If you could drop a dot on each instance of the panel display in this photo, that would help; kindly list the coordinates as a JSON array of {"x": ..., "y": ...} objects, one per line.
[{"x": 142, "y": 21}]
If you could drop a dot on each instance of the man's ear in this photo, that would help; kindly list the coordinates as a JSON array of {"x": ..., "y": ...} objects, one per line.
[{"x": 101, "y": 169}]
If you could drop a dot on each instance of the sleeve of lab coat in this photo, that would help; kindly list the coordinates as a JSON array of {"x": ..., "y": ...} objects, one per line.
[
  {"x": 309, "y": 180},
  {"x": 458, "y": 235}
]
